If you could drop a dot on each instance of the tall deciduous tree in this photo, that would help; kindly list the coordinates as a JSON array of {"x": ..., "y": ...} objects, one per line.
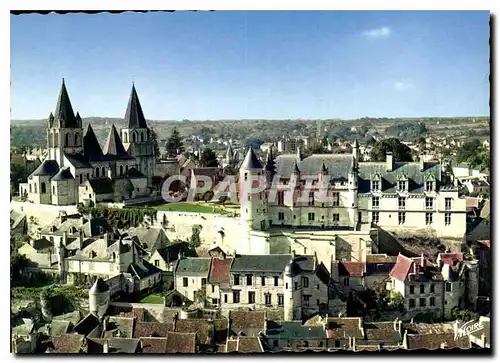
[
  {"x": 156, "y": 147},
  {"x": 400, "y": 152},
  {"x": 208, "y": 158},
  {"x": 174, "y": 144}
]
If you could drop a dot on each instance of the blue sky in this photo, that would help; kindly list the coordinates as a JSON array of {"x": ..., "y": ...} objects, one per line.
[{"x": 231, "y": 65}]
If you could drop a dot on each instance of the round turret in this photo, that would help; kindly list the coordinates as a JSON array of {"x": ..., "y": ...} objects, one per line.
[
  {"x": 99, "y": 298},
  {"x": 292, "y": 269}
]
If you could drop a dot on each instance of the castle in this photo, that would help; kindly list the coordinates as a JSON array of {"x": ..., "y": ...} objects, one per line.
[{"x": 77, "y": 170}]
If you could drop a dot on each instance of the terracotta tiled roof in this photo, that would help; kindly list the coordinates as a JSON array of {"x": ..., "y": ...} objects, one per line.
[
  {"x": 343, "y": 328},
  {"x": 380, "y": 259},
  {"x": 485, "y": 243},
  {"x": 240, "y": 320},
  {"x": 249, "y": 345},
  {"x": 351, "y": 268},
  {"x": 232, "y": 345},
  {"x": 181, "y": 342},
  {"x": 68, "y": 343},
  {"x": 402, "y": 268},
  {"x": 451, "y": 258},
  {"x": 219, "y": 271},
  {"x": 146, "y": 330},
  {"x": 154, "y": 345}
]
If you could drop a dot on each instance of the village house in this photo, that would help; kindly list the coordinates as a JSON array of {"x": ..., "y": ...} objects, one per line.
[{"x": 191, "y": 276}]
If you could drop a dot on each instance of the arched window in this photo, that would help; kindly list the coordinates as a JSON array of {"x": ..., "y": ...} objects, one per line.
[
  {"x": 133, "y": 137},
  {"x": 67, "y": 140},
  {"x": 56, "y": 139},
  {"x": 97, "y": 172},
  {"x": 36, "y": 188},
  {"x": 77, "y": 140},
  {"x": 30, "y": 187},
  {"x": 114, "y": 256},
  {"x": 142, "y": 137},
  {"x": 121, "y": 169}
]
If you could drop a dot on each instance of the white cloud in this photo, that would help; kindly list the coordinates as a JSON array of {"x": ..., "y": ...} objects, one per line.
[
  {"x": 382, "y": 32},
  {"x": 403, "y": 85}
]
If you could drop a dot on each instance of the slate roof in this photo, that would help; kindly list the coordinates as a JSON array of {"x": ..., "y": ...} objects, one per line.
[
  {"x": 16, "y": 218},
  {"x": 91, "y": 148},
  {"x": 47, "y": 168},
  {"x": 219, "y": 270},
  {"x": 343, "y": 328},
  {"x": 143, "y": 269},
  {"x": 323, "y": 274},
  {"x": 181, "y": 342},
  {"x": 59, "y": 327},
  {"x": 63, "y": 174},
  {"x": 101, "y": 185},
  {"x": 170, "y": 252},
  {"x": 99, "y": 286},
  {"x": 85, "y": 326},
  {"x": 67, "y": 343},
  {"x": 123, "y": 325},
  {"x": 193, "y": 266},
  {"x": 294, "y": 330},
  {"x": 338, "y": 165},
  {"x": 147, "y": 235},
  {"x": 251, "y": 161},
  {"x": 133, "y": 173},
  {"x": 388, "y": 184},
  {"x": 113, "y": 147},
  {"x": 42, "y": 244},
  {"x": 134, "y": 117},
  {"x": 64, "y": 116},
  {"x": 79, "y": 161},
  {"x": 260, "y": 263}
]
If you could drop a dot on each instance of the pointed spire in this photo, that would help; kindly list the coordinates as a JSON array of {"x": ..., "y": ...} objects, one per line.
[
  {"x": 270, "y": 162},
  {"x": 229, "y": 153},
  {"x": 134, "y": 117},
  {"x": 296, "y": 169},
  {"x": 91, "y": 148},
  {"x": 324, "y": 169},
  {"x": 113, "y": 146},
  {"x": 299, "y": 152},
  {"x": 51, "y": 120},
  {"x": 64, "y": 115},
  {"x": 251, "y": 161}
]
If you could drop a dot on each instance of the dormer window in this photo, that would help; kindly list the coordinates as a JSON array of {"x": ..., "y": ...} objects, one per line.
[
  {"x": 430, "y": 183},
  {"x": 402, "y": 183},
  {"x": 375, "y": 183}
]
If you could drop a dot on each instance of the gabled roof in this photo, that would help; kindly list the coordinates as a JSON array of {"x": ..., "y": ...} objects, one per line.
[
  {"x": 260, "y": 263},
  {"x": 101, "y": 185},
  {"x": 351, "y": 268},
  {"x": 219, "y": 270},
  {"x": 147, "y": 329},
  {"x": 181, "y": 342},
  {"x": 245, "y": 345},
  {"x": 133, "y": 173},
  {"x": 243, "y": 320},
  {"x": 143, "y": 269},
  {"x": 47, "y": 168},
  {"x": 134, "y": 117},
  {"x": 342, "y": 328},
  {"x": 67, "y": 343},
  {"x": 154, "y": 345},
  {"x": 63, "y": 174},
  {"x": 79, "y": 161},
  {"x": 99, "y": 286},
  {"x": 402, "y": 268},
  {"x": 85, "y": 326},
  {"x": 251, "y": 161},
  {"x": 91, "y": 148},
  {"x": 338, "y": 165},
  {"x": 171, "y": 252},
  {"x": 113, "y": 148},
  {"x": 194, "y": 266},
  {"x": 64, "y": 116}
]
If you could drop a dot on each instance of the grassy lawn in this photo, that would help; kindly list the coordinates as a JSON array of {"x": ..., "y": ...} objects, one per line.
[
  {"x": 188, "y": 207},
  {"x": 152, "y": 299}
]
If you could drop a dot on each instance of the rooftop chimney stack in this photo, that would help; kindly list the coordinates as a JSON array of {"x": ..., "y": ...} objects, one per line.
[
  {"x": 389, "y": 162},
  {"x": 422, "y": 163},
  {"x": 105, "y": 347}
]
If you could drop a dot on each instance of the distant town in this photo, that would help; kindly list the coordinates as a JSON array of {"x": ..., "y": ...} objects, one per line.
[{"x": 396, "y": 258}]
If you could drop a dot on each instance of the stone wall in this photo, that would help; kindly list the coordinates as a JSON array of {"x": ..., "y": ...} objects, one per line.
[{"x": 43, "y": 213}]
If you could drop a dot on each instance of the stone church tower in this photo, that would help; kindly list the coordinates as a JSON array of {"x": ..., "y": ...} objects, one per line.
[{"x": 137, "y": 137}]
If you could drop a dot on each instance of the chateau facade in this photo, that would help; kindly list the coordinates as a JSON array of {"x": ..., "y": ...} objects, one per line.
[{"x": 77, "y": 170}]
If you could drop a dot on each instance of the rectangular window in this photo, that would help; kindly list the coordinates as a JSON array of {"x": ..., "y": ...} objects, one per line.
[
  {"x": 281, "y": 198},
  {"x": 251, "y": 297},
  {"x": 276, "y": 280},
  {"x": 412, "y": 289},
  {"x": 214, "y": 301},
  {"x": 305, "y": 300},
  {"x": 402, "y": 185},
  {"x": 310, "y": 217},
  {"x": 236, "y": 280},
  {"x": 296, "y": 285},
  {"x": 305, "y": 282},
  {"x": 311, "y": 198},
  {"x": 447, "y": 203},
  {"x": 401, "y": 217},
  {"x": 428, "y": 218},
  {"x": 281, "y": 216},
  {"x": 432, "y": 288},
  {"x": 336, "y": 217},
  {"x": 375, "y": 217},
  {"x": 375, "y": 185},
  {"x": 246, "y": 176},
  {"x": 213, "y": 288},
  {"x": 157, "y": 263},
  {"x": 448, "y": 287},
  {"x": 225, "y": 298},
  {"x": 422, "y": 302},
  {"x": 267, "y": 298},
  {"x": 422, "y": 289},
  {"x": 203, "y": 281},
  {"x": 402, "y": 202},
  {"x": 412, "y": 303},
  {"x": 236, "y": 297},
  {"x": 184, "y": 282},
  {"x": 429, "y": 186},
  {"x": 336, "y": 199},
  {"x": 263, "y": 281},
  {"x": 281, "y": 300},
  {"x": 429, "y": 203},
  {"x": 375, "y": 202},
  {"x": 432, "y": 301},
  {"x": 447, "y": 219},
  {"x": 249, "y": 280}
]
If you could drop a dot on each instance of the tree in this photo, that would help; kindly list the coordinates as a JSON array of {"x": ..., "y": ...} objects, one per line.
[
  {"x": 154, "y": 140},
  {"x": 18, "y": 265},
  {"x": 317, "y": 148},
  {"x": 400, "y": 152},
  {"x": 174, "y": 144},
  {"x": 18, "y": 174},
  {"x": 463, "y": 314},
  {"x": 195, "y": 240},
  {"x": 208, "y": 158}
]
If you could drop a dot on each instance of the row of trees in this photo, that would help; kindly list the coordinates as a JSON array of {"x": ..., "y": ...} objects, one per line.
[{"x": 474, "y": 154}]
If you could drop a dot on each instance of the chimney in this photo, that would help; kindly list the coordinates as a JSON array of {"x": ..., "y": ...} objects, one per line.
[
  {"x": 422, "y": 164},
  {"x": 389, "y": 163},
  {"x": 396, "y": 324},
  {"x": 81, "y": 237},
  {"x": 106, "y": 238},
  {"x": 315, "y": 260},
  {"x": 422, "y": 261},
  {"x": 65, "y": 238},
  {"x": 105, "y": 324},
  {"x": 105, "y": 347},
  {"x": 293, "y": 254},
  {"x": 360, "y": 324},
  {"x": 175, "y": 317}
]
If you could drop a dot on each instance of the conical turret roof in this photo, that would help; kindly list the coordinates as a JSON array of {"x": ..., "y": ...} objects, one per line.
[
  {"x": 251, "y": 160},
  {"x": 99, "y": 287},
  {"x": 91, "y": 148},
  {"x": 113, "y": 148},
  {"x": 64, "y": 115},
  {"x": 134, "y": 117}
]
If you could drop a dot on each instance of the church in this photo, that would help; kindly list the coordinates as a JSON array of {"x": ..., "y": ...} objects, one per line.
[{"x": 77, "y": 170}]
